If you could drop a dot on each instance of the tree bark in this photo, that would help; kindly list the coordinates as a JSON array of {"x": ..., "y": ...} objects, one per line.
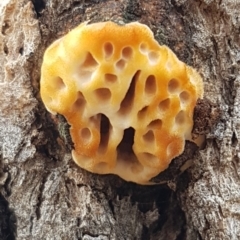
[{"x": 44, "y": 195}]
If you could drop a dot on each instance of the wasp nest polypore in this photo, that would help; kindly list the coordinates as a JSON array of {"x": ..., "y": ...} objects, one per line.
[{"x": 129, "y": 101}]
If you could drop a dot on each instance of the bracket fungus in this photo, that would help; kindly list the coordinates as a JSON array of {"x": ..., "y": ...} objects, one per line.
[{"x": 128, "y": 100}]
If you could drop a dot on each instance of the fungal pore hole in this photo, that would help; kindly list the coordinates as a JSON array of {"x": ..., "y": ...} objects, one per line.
[
  {"x": 87, "y": 68},
  {"x": 143, "y": 48},
  {"x": 80, "y": 103},
  {"x": 153, "y": 57},
  {"x": 124, "y": 148},
  {"x": 102, "y": 94},
  {"x": 149, "y": 137},
  {"x": 85, "y": 135},
  {"x": 142, "y": 113},
  {"x": 180, "y": 118},
  {"x": 108, "y": 49},
  {"x": 173, "y": 85},
  {"x": 120, "y": 65},
  {"x": 105, "y": 131},
  {"x": 150, "y": 85},
  {"x": 128, "y": 100},
  {"x": 164, "y": 105},
  {"x": 127, "y": 53},
  {"x": 184, "y": 97},
  {"x": 110, "y": 78},
  {"x": 155, "y": 124},
  {"x": 90, "y": 63},
  {"x": 58, "y": 83}
]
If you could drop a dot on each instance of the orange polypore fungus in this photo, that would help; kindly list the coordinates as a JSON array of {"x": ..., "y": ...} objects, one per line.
[{"x": 128, "y": 100}]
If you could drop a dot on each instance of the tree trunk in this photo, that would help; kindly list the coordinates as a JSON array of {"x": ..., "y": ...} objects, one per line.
[{"x": 44, "y": 195}]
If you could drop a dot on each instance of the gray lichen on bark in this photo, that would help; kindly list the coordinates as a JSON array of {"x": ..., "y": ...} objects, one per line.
[{"x": 43, "y": 195}]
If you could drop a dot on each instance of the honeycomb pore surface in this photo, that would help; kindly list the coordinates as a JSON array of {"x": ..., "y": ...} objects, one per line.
[{"x": 129, "y": 101}]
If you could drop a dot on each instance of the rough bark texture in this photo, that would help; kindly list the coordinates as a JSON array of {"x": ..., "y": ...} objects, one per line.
[{"x": 44, "y": 195}]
